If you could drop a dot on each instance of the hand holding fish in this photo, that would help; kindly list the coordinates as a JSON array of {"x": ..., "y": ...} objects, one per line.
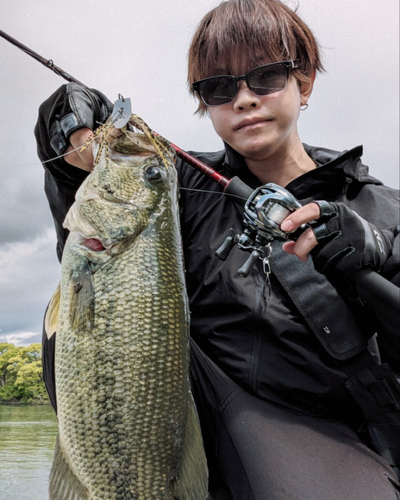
[
  {"x": 74, "y": 156},
  {"x": 77, "y": 111}
]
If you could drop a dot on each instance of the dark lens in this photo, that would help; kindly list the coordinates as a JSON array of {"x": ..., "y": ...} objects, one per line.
[
  {"x": 218, "y": 90},
  {"x": 267, "y": 79}
]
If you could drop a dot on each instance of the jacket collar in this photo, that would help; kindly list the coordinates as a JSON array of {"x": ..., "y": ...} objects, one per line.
[{"x": 336, "y": 170}]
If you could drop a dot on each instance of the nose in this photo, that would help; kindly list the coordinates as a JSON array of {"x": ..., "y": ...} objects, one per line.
[{"x": 245, "y": 99}]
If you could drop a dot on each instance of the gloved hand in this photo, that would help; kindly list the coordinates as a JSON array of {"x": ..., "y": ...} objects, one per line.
[
  {"x": 70, "y": 108},
  {"x": 339, "y": 239},
  {"x": 346, "y": 241}
]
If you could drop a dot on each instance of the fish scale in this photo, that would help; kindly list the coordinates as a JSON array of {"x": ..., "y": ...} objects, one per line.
[{"x": 128, "y": 428}]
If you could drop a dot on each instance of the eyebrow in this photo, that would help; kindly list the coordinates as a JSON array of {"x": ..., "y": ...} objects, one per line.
[
  {"x": 220, "y": 71},
  {"x": 259, "y": 61}
]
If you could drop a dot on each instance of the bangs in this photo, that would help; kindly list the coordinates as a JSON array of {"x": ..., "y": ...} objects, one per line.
[
  {"x": 231, "y": 38},
  {"x": 239, "y": 35}
]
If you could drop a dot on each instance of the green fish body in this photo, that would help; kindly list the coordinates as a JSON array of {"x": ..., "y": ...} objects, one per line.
[{"x": 128, "y": 428}]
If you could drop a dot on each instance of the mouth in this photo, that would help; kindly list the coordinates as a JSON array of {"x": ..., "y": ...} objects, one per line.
[
  {"x": 93, "y": 244},
  {"x": 100, "y": 248},
  {"x": 251, "y": 123}
]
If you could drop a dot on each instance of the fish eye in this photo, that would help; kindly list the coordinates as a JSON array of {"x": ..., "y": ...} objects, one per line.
[{"x": 153, "y": 174}]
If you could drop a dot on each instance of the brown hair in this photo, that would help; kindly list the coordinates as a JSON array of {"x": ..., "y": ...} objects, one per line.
[{"x": 249, "y": 28}]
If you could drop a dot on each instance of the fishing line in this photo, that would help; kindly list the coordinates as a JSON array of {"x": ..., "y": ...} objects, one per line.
[
  {"x": 42, "y": 162},
  {"x": 368, "y": 280},
  {"x": 194, "y": 162},
  {"x": 77, "y": 149},
  {"x": 56, "y": 157},
  {"x": 220, "y": 193}
]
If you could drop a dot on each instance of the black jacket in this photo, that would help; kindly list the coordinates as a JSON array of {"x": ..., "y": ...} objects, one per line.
[
  {"x": 269, "y": 345},
  {"x": 266, "y": 344}
]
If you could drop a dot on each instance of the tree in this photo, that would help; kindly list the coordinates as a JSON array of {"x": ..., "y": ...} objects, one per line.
[
  {"x": 29, "y": 382},
  {"x": 21, "y": 377},
  {"x": 7, "y": 352}
]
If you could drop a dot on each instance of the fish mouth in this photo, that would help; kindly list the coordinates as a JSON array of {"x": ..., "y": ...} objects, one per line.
[
  {"x": 85, "y": 235},
  {"x": 97, "y": 249},
  {"x": 93, "y": 249},
  {"x": 93, "y": 244}
]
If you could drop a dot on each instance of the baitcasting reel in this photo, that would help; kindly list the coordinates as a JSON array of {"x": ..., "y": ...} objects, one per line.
[{"x": 265, "y": 210}]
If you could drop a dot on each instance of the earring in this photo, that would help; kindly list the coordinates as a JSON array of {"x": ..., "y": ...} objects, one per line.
[{"x": 303, "y": 107}]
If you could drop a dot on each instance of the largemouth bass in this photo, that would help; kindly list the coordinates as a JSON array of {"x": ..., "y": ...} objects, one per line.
[{"x": 128, "y": 428}]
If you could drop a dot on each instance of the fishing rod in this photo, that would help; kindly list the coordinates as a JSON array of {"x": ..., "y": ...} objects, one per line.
[
  {"x": 46, "y": 62},
  {"x": 194, "y": 162},
  {"x": 264, "y": 208}
]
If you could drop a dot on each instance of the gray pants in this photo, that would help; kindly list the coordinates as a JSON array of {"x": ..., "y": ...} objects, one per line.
[{"x": 260, "y": 451}]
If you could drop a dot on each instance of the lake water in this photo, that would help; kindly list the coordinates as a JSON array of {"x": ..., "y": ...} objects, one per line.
[{"x": 27, "y": 440}]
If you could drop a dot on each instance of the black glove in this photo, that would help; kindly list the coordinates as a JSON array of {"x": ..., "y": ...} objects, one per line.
[
  {"x": 70, "y": 108},
  {"x": 347, "y": 242}
]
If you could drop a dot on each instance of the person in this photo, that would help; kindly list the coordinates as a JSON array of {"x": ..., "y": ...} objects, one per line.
[{"x": 293, "y": 394}]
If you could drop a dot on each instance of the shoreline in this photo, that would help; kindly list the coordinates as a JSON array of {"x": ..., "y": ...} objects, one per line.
[{"x": 18, "y": 403}]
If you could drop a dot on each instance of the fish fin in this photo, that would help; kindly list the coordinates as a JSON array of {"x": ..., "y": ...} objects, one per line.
[
  {"x": 63, "y": 484},
  {"x": 81, "y": 311},
  {"x": 192, "y": 480},
  {"x": 51, "y": 317}
]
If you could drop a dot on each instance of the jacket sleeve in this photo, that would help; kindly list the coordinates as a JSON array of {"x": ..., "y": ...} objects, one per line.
[
  {"x": 61, "y": 179},
  {"x": 60, "y": 195},
  {"x": 379, "y": 205},
  {"x": 391, "y": 268},
  {"x": 389, "y": 317}
]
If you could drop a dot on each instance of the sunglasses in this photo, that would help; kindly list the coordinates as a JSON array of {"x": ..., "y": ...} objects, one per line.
[{"x": 263, "y": 80}]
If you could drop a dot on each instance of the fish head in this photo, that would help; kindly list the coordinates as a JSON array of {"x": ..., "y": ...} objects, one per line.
[{"x": 132, "y": 185}]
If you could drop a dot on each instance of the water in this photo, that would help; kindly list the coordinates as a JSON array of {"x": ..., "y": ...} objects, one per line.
[{"x": 27, "y": 440}]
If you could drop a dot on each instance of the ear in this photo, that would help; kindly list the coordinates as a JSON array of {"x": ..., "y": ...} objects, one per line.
[{"x": 306, "y": 88}]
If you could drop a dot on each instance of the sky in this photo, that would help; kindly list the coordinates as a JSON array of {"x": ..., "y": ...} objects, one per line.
[{"x": 138, "y": 49}]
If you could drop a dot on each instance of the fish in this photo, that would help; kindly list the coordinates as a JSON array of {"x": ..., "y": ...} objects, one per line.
[{"x": 128, "y": 425}]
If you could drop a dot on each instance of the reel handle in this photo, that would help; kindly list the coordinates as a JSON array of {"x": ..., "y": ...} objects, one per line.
[
  {"x": 224, "y": 250},
  {"x": 245, "y": 269}
]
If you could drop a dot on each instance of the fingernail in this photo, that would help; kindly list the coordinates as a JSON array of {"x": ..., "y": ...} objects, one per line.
[{"x": 287, "y": 225}]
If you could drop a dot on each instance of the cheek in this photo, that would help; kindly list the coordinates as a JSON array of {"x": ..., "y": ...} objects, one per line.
[
  {"x": 292, "y": 99},
  {"x": 285, "y": 108},
  {"x": 219, "y": 120},
  {"x": 290, "y": 113}
]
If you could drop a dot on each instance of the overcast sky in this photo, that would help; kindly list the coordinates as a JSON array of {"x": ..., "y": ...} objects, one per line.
[{"x": 138, "y": 49}]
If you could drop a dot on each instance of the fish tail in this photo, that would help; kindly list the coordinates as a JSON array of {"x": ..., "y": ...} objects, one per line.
[
  {"x": 192, "y": 483},
  {"x": 64, "y": 485}
]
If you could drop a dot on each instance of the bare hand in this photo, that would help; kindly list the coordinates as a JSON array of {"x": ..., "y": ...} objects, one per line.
[{"x": 81, "y": 159}]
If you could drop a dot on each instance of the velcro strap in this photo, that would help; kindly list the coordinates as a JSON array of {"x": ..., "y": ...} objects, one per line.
[
  {"x": 69, "y": 124},
  {"x": 59, "y": 143}
]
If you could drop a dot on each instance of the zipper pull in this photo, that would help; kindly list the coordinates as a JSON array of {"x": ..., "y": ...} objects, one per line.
[{"x": 267, "y": 269}]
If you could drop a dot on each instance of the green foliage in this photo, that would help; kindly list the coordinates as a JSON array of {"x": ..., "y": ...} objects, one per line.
[{"x": 21, "y": 377}]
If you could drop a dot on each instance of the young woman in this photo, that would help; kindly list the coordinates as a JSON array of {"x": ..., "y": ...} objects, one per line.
[{"x": 285, "y": 385}]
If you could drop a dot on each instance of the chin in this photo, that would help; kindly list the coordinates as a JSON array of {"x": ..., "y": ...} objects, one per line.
[{"x": 256, "y": 152}]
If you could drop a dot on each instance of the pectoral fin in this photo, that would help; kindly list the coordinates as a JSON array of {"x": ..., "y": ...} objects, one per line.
[
  {"x": 192, "y": 481},
  {"x": 51, "y": 317},
  {"x": 82, "y": 298},
  {"x": 64, "y": 485}
]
